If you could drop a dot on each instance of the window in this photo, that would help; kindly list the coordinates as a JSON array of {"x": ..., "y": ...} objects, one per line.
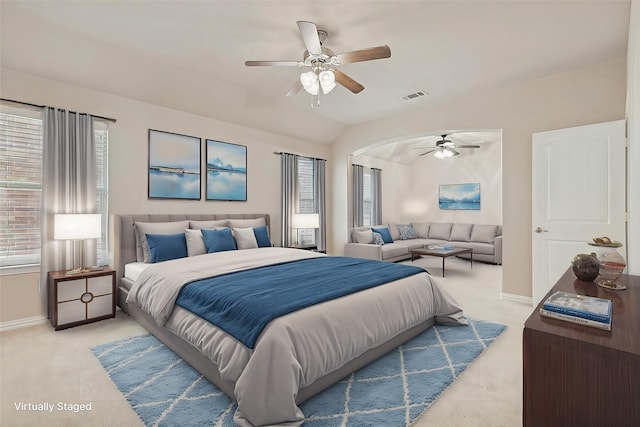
[
  {"x": 21, "y": 186},
  {"x": 306, "y": 198},
  {"x": 366, "y": 197}
]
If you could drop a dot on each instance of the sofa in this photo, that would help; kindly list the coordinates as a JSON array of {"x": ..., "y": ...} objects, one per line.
[{"x": 393, "y": 242}]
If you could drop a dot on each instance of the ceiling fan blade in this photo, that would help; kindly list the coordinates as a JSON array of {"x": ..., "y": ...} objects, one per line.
[
  {"x": 455, "y": 153},
  {"x": 273, "y": 63},
  {"x": 309, "y": 33},
  {"x": 295, "y": 88},
  {"x": 348, "y": 82},
  {"x": 467, "y": 146},
  {"x": 421, "y": 148},
  {"x": 378, "y": 52},
  {"x": 427, "y": 152}
]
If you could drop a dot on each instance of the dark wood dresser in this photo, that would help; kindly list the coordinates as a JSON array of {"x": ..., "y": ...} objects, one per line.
[{"x": 576, "y": 375}]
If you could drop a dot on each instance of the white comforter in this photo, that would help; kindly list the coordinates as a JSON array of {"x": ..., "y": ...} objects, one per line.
[{"x": 293, "y": 350}]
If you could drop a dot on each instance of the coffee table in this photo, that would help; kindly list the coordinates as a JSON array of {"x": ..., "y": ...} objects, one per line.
[{"x": 440, "y": 252}]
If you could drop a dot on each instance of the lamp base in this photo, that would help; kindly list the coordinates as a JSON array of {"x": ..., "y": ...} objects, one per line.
[{"x": 81, "y": 270}]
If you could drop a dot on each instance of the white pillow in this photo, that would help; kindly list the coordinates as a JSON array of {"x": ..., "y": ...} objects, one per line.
[
  {"x": 245, "y": 238},
  {"x": 144, "y": 228},
  {"x": 209, "y": 225},
  {"x": 195, "y": 242},
  {"x": 244, "y": 223}
]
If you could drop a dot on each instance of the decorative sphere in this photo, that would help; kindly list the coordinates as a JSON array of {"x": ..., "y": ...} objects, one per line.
[{"x": 586, "y": 266}]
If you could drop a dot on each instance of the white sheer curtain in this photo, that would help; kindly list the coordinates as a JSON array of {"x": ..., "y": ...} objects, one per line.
[
  {"x": 289, "y": 196},
  {"x": 357, "y": 185},
  {"x": 376, "y": 196},
  {"x": 321, "y": 204},
  {"x": 68, "y": 185}
]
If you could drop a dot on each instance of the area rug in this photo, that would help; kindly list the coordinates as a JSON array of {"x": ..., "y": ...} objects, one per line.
[{"x": 392, "y": 391}]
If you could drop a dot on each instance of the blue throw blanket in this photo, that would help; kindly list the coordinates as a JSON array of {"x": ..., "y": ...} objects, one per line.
[{"x": 243, "y": 303}]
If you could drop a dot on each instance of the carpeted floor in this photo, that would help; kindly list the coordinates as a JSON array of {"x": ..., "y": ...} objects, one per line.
[
  {"x": 392, "y": 391},
  {"x": 40, "y": 365}
]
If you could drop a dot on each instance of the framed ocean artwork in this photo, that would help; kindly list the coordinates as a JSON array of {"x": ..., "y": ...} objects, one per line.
[
  {"x": 459, "y": 196},
  {"x": 174, "y": 166},
  {"x": 226, "y": 171}
]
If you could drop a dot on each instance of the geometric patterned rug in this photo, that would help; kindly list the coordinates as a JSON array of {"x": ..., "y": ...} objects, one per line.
[{"x": 391, "y": 391}]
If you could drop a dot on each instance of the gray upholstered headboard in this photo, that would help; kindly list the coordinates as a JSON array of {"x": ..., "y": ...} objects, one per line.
[{"x": 124, "y": 240}]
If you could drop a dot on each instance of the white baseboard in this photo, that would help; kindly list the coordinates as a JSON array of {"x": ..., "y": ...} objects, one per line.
[
  {"x": 517, "y": 298},
  {"x": 22, "y": 323}
]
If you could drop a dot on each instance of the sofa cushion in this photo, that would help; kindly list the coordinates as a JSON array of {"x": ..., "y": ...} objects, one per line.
[
  {"x": 440, "y": 230},
  {"x": 395, "y": 232},
  {"x": 385, "y": 233},
  {"x": 421, "y": 229},
  {"x": 393, "y": 250},
  {"x": 460, "y": 232},
  {"x": 364, "y": 236},
  {"x": 406, "y": 231},
  {"x": 478, "y": 248},
  {"x": 484, "y": 233}
]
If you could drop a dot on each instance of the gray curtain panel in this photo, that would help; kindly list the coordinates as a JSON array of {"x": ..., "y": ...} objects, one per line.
[
  {"x": 376, "y": 196},
  {"x": 289, "y": 195},
  {"x": 321, "y": 203},
  {"x": 357, "y": 179},
  {"x": 68, "y": 185}
]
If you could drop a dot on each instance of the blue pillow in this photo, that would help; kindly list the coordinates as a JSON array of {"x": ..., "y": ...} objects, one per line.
[
  {"x": 385, "y": 233},
  {"x": 219, "y": 240},
  {"x": 163, "y": 247},
  {"x": 262, "y": 236}
]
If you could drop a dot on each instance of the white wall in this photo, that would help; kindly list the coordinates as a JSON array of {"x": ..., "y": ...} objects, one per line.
[
  {"x": 633, "y": 126},
  {"x": 128, "y": 160},
  {"x": 588, "y": 95}
]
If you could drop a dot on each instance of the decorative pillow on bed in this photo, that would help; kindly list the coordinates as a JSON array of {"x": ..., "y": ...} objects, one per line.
[
  {"x": 219, "y": 240},
  {"x": 195, "y": 242},
  {"x": 262, "y": 236},
  {"x": 163, "y": 247},
  {"x": 246, "y": 223},
  {"x": 211, "y": 224},
  {"x": 385, "y": 233},
  {"x": 406, "y": 231},
  {"x": 144, "y": 228},
  {"x": 245, "y": 238},
  {"x": 377, "y": 238}
]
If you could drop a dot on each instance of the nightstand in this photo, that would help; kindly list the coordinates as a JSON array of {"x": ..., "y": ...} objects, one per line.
[{"x": 81, "y": 298}]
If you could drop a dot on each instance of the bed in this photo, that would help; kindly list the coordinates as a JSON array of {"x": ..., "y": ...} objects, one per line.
[{"x": 300, "y": 352}]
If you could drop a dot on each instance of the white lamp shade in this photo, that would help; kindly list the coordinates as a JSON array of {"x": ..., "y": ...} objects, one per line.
[
  {"x": 309, "y": 82},
  {"x": 327, "y": 81},
  {"x": 306, "y": 221},
  {"x": 77, "y": 226}
]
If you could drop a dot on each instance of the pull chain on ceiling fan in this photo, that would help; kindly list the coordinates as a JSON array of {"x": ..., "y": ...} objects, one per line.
[{"x": 322, "y": 62}]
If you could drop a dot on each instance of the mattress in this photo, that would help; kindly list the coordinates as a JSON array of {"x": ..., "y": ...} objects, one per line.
[{"x": 133, "y": 270}]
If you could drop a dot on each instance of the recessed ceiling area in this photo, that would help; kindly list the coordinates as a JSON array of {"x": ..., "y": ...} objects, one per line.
[
  {"x": 190, "y": 56},
  {"x": 408, "y": 150}
]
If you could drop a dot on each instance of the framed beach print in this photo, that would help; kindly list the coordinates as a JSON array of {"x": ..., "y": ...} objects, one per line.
[
  {"x": 226, "y": 171},
  {"x": 459, "y": 196},
  {"x": 174, "y": 166}
]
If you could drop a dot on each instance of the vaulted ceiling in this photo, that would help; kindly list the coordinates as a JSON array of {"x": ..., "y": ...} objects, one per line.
[{"x": 189, "y": 55}]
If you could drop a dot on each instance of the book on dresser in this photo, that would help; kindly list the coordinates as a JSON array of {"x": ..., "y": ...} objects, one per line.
[{"x": 580, "y": 309}]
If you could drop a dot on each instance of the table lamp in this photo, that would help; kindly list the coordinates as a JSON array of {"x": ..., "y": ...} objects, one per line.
[
  {"x": 77, "y": 227},
  {"x": 305, "y": 221}
]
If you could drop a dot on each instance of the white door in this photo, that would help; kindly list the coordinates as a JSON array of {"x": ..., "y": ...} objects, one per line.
[{"x": 578, "y": 193}]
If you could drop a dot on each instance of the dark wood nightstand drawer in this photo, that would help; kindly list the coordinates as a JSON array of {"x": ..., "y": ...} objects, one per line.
[{"x": 81, "y": 298}]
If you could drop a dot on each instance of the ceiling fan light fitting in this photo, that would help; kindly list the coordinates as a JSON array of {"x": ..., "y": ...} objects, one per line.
[
  {"x": 309, "y": 82},
  {"x": 443, "y": 153},
  {"x": 327, "y": 81}
]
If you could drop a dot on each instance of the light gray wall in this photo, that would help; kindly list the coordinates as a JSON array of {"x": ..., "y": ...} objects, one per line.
[
  {"x": 633, "y": 126},
  {"x": 588, "y": 95}
]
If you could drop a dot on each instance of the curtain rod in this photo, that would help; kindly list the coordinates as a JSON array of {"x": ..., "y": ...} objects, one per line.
[
  {"x": 362, "y": 166},
  {"x": 42, "y": 106},
  {"x": 291, "y": 154}
]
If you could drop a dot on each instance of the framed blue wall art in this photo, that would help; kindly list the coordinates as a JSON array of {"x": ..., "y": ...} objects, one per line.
[
  {"x": 459, "y": 196},
  {"x": 174, "y": 166},
  {"x": 226, "y": 171}
]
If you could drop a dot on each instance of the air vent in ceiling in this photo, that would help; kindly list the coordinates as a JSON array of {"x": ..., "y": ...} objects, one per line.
[{"x": 415, "y": 95}]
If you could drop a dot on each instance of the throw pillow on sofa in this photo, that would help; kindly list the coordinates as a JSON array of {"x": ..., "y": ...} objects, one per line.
[
  {"x": 364, "y": 236},
  {"x": 440, "y": 231},
  {"x": 384, "y": 233},
  {"x": 377, "y": 239},
  {"x": 406, "y": 231}
]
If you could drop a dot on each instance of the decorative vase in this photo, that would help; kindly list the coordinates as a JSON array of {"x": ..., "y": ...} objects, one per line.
[
  {"x": 586, "y": 266},
  {"x": 612, "y": 264}
]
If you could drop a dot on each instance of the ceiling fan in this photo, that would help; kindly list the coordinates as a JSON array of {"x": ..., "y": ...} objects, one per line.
[
  {"x": 323, "y": 63},
  {"x": 446, "y": 148}
]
